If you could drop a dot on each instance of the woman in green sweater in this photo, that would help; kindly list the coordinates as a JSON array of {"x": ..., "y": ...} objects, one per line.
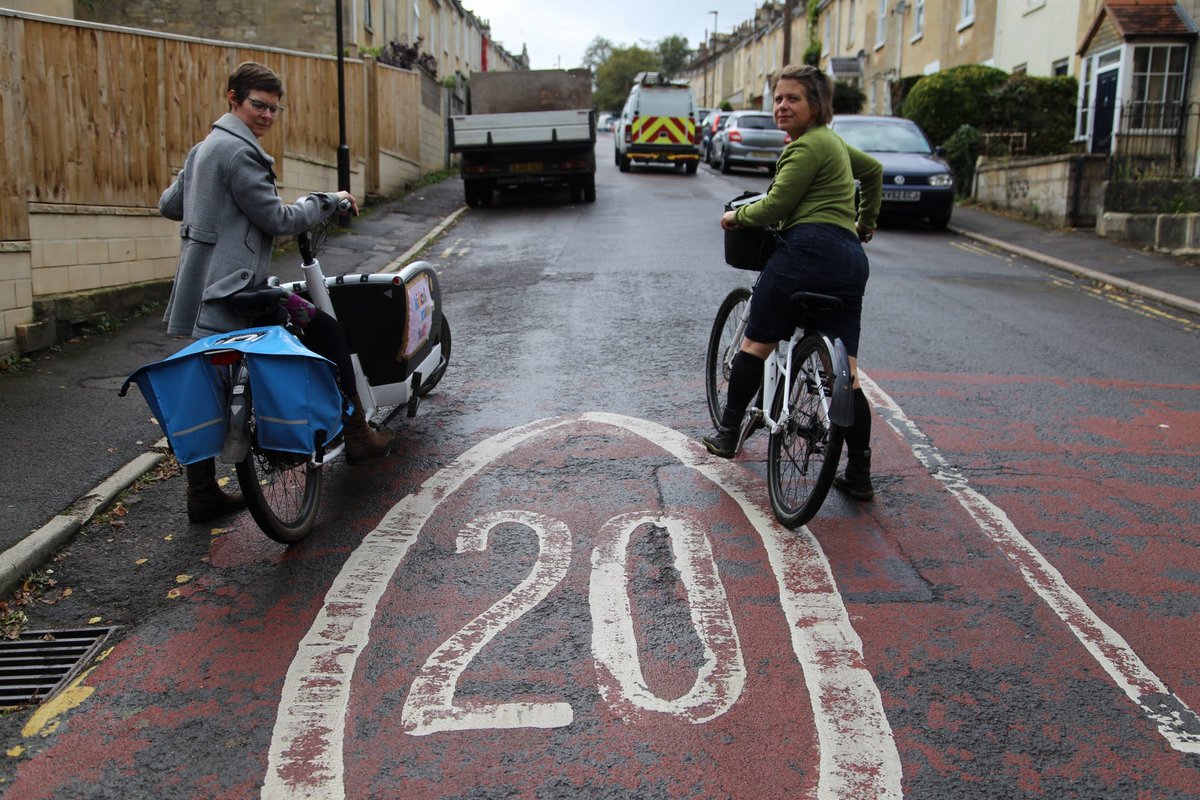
[{"x": 819, "y": 249}]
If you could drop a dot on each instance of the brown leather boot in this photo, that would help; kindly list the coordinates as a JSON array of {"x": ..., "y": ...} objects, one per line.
[
  {"x": 363, "y": 442},
  {"x": 205, "y": 498}
]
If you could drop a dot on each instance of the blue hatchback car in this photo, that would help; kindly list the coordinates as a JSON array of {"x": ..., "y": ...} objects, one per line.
[{"x": 917, "y": 182}]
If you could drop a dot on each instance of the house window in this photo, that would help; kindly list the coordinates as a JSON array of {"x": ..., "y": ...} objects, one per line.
[
  {"x": 414, "y": 22},
  {"x": 1020, "y": 69},
  {"x": 918, "y": 19},
  {"x": 850, "y": 25},
  {"x": 1157, "y": 91},
  {"x": 881, "y": 24},
  {"x": 1061, "y": 67},
  {"x": 828, "y": 38},
  {"x": 368, "y": 21},
  {"x": 967, "y": 17}
]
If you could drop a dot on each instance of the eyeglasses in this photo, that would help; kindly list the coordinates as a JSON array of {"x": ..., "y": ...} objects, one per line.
[{"x": 261, "y": 107}]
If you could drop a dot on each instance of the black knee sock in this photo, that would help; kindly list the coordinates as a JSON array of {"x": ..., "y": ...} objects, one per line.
[
  {"x": 745, "y": 376},
  {"x": 858, "y": 435}
]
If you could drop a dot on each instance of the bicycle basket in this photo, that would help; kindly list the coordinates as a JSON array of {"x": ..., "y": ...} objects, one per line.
[{"x": 747, "y": 247}]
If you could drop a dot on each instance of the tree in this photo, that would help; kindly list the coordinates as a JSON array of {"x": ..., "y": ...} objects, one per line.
[
  {"x": 673, "y": 55},
  {"x": 597, "y": 53},
  {"x": 616, "y": 74}
]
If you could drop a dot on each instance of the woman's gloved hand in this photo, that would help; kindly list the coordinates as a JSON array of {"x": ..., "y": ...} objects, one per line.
[{"x": 300, "y": 312}]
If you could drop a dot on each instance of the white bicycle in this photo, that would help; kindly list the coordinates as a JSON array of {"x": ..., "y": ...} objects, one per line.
[{"x": 804, "y": 402}]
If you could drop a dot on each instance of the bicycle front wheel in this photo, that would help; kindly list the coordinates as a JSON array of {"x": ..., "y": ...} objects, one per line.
[
  {"x": 282, "y": 490},
  {"x": 723, "y": 345},
  {"x": 803, "y": 456}
]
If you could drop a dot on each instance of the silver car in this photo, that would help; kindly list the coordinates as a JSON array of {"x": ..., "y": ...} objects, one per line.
[{"x": 750, "y": 139}]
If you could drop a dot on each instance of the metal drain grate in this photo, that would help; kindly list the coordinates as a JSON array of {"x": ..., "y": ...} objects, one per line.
[{"x": 39, "y": 663}]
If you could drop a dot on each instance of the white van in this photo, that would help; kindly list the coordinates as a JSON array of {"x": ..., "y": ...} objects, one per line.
[{"x": 658, "y": 125}]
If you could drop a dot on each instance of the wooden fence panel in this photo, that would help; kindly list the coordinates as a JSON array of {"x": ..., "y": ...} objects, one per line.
[
  {"x": 15, "y": 152},
  {"x": 99, "y": 116},
  {"x": 399, "y": 121}
]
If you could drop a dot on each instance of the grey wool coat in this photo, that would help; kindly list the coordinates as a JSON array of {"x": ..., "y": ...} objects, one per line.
[{"x": 226, "y": 200}]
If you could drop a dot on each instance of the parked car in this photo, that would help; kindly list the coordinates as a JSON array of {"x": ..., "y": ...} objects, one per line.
[
  {"x": 711, "y": 124},
  {"x": 606, "y": 122},
  {"x": 917, "y": 181},
  {"x": 747, "y": 139}
]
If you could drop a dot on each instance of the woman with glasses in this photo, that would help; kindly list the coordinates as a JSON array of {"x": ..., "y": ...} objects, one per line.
[{"x": 226, "y": 199}]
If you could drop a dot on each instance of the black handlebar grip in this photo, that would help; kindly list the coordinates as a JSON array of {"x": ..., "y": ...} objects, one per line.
[{"x": 343, "y": 205}]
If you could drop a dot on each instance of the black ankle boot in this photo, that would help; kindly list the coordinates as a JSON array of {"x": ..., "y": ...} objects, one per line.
[
  {"x": 856, "y": 480},
  {"x": 724, "y": 443}
]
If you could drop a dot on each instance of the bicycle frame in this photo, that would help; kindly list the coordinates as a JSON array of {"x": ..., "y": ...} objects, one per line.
[{"x": 776, "y": 418}]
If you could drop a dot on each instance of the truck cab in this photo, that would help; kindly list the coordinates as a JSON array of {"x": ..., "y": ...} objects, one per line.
[{"x": 658, "y": 125}]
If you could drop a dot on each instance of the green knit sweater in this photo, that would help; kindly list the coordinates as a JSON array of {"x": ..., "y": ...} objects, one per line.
[{"x": 814, "y": 182}]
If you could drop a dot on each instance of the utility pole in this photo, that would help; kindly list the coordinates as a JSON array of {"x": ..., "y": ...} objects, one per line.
[
  {"x": 343, "y": 153},
  {"x": 711, "y": 55},
  {"x": 787, "y": 32}
]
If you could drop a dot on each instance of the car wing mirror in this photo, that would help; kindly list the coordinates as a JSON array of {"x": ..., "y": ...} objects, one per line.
[{"x": 939, "y": 151}]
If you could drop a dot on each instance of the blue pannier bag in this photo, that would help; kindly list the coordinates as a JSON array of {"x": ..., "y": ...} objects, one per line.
[{"x": 297, "y": 402}]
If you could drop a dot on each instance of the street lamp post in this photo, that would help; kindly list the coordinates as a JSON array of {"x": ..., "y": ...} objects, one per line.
[
  {"x": 710, "y": 56},
  {"x": 343, "y": 152}
]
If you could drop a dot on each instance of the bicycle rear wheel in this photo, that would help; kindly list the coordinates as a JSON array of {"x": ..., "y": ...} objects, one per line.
[
  {"x": 723, "y": 345},
  {"x": 282, "y": 490},
  {"x": 803, "y": 456}
]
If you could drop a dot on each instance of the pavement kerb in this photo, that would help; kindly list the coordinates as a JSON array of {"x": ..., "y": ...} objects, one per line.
[
  {"x": 1075, "y": 269},
  {"x": 401, "y": 259},
  {"x": 32, "y": 551}
]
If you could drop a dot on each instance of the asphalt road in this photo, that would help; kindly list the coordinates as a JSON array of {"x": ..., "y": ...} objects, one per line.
[{"x": 552, "y": 591}]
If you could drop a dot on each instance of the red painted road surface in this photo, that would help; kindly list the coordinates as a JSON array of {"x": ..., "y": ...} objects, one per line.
[{"x": 591, "y": 607}]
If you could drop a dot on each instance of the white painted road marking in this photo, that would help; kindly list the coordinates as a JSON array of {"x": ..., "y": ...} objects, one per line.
[
  {"x": 858, "y": 754},
  {"x": 1175, "y": 721}
]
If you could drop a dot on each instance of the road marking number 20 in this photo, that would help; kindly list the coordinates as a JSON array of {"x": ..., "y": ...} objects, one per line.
[{"x": 430, "y": 706}]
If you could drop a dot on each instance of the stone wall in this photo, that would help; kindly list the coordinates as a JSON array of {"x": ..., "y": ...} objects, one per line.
[
  {"x": 307, "y": 27},
  {"x": 1063, "y": 190}
]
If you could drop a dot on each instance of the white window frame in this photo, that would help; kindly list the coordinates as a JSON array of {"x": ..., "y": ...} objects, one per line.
[
  {"x": 1129, "y": 82},
  {"x": 828, "y": 36},
  {"x": 881, "y": 25},
  {"x": 918, "y": 21},
  {"x": 966, "y": 14},
  {"x": 850, "y": 25}
]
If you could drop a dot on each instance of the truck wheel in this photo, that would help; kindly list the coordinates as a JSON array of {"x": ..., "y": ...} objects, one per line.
[
  {"x": 617, "y": 157},
  {"x": 692, "y": 166},
  {"x": 486, "y": 190},
  {"x": 589, "y": 189},
  {"x": 472, "y": 192},
  {"x": 623, "y": 163}
]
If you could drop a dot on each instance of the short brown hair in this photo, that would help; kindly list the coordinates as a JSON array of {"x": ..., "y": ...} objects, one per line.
[
  {"x": 818, "y": 89},
  {"x": 252, "y": 75}
]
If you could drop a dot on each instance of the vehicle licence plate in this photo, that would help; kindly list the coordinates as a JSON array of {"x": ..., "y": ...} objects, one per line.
[
  {"x": 906, "y": 195},
  {"x": 529, "y": 166},
  {"x": 761, "y": 154}
]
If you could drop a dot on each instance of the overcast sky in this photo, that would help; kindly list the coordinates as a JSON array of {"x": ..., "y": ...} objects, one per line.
[{"x": 558, "y": 31}]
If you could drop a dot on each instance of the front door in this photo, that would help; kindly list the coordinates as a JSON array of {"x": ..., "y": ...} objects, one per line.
[{"x": 1106, "y": 106}]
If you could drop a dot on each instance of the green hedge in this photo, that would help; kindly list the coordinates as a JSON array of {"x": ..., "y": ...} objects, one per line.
[{"x": 943, "y": 102}]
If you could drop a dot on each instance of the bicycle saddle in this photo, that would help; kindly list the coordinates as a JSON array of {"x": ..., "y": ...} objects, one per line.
[{"x": 813, "y": 302}]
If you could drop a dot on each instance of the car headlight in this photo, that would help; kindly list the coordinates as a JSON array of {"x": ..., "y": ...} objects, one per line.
[{"x": 944, "y": 179}]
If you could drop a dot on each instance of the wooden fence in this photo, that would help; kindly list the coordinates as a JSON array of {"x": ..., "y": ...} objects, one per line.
[{"x": 98, "y": 119}]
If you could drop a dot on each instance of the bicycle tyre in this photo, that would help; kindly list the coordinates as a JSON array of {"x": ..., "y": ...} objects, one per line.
[
  {"x": 282, "y": 490},
  {"x": 803, "y": 456},
  {"x": 723, "y": 344},
  {"x": 436, "y": 376}
]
